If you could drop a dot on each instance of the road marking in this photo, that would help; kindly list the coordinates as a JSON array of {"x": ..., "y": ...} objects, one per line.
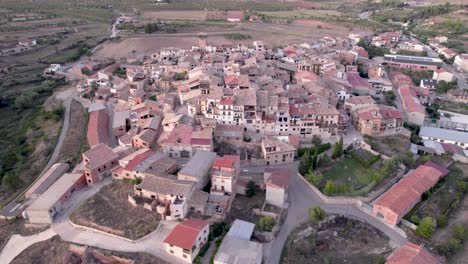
[{"x": 14, "y": 208}]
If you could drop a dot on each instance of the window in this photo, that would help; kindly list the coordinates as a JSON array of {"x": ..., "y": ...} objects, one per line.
[
  {"x": 172, "y": 251},
  {"x": 185, "y": 256}
]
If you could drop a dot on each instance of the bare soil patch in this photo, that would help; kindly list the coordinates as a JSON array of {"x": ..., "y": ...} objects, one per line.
[
  {"x": 389, "y": 146},
  {"x": 176, "y": 15},
  {"x": 109, "y": 211},
  {"x": 242, "y": 207},
  {"x": 337, "y": 240}
]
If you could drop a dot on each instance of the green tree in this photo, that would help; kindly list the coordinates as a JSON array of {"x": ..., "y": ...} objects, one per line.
[
  {"x": 12, "y": 182},
  {"x": 330, "y": 187},
  {"x": 315, "y": 159},
  {"x": 251, "y": 189},
  {"x": 305, "y": 163},
  {"x": 266, "y": 223},
  {"x": 442, "y": 220},
  {"x": 426, "y": 227},
  {"x": 454, "y": 245},
  {"x": 390, "y": 97},
  {"x": 338, "y": 149},
  {"x": 136, "y": 181},
  {"x": 317, "y": 214}
]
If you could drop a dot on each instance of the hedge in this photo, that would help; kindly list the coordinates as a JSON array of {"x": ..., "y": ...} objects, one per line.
[
  {"x": 365, "y": 164},
  {"x": 320, "y": 149}
]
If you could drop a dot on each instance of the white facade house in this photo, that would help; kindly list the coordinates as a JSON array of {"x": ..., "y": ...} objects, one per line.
[
  {"x": 461, "y": 62},
  {"x": 224, "y": 174},
  {"x": 277, "y": 184},
  {"x": 186, "y": 239},
  {"x": 442, "y": 75}
]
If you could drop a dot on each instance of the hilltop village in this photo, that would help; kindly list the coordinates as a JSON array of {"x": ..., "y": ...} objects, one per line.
[{"x": 243, "y": 143}]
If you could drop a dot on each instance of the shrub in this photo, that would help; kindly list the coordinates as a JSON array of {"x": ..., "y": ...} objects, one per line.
[
  {"x": 315, "y": 179},
  {"x": 460, "y": 232},
  {"x": 266, "y": 223},
  {"x": 136, "y": 181},
  {"x": 251, "y": 189},
  {"x": 218, "y": 228},
  {"x": 320, "y": 149},
  {"x": 12, "y": 182},
  {"x": 330, "y": 187},
  {"x": 426, "y": 227},
  {"x": 442, "y": 220},
  {"x": 414, "y": 219},
  {"x": 317, "y": 214}
]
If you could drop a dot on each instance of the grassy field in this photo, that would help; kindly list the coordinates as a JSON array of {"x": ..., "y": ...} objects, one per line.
[{"x": 350, "y": 174}]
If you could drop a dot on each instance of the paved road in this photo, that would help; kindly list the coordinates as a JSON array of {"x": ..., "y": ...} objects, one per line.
[
  {"x": 15, "y": 207},
  {"x": 301, "y": 198},
  {"x": 18, "y": 243},
  {"x": 152, "y": 243}
]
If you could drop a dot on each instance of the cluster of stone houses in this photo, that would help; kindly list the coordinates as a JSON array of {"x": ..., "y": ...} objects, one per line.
[
  {"x": 158, "y": 122},
  {"x": 437, "y": 42}
]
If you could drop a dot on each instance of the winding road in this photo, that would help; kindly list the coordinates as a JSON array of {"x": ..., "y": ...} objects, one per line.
[{"x": 300, "y": 199}]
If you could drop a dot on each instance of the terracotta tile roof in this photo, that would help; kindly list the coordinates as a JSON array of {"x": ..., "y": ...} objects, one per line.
[
  {"x": 231, "y": 80},
  {"x": 200, "y": 141},
  {"x": 184, "y": 235},
  {"x": 227, "y": 161},
  {"x": 366, "y": 99},
  {"x": 97, "y": 128},
  {"x": 411, "y": 254},
  {"x": 407, "y": 192},
  {"x": 99, "y": 155},
  {"x": 307, "y": 75},
  {"x": 180, "y": 134},
  {"x": 355, "y": 80},
  {"x": 279, "y": 177},
  {"x": 138, "y": 159},
  {"x": 227, "y": 101},
  {"x": 410, "y": 102}
]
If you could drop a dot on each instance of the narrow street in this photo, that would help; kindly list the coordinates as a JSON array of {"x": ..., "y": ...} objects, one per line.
[
  {"x": 301, "y": 198},
  {"x": 151, "y": 243}
]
